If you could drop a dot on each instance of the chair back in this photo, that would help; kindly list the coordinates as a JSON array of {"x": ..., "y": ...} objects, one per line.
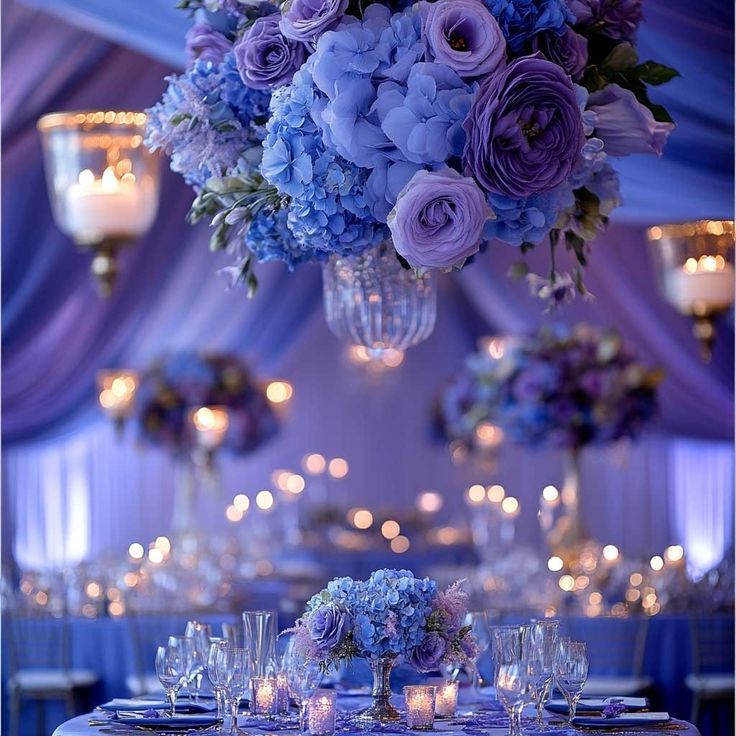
[
  {"x": 712, "y": 643},
  {"x": 36, "y": 640},
  {"x": 616, "y": 645}
]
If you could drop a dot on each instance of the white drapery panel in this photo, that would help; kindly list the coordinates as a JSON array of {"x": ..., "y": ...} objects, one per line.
[{"x": 702, "y": 500}]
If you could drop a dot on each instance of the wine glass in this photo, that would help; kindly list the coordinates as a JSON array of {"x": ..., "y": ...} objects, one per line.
[
  {"x": 232, "y": 666},
  {"x": 478, "y": 622},
  {"x": 302, "y": 676},
  {"x": 199, "y": 635},
  {"x": 505, "y": 645},
  {"x": 571, "y": 672},
  {"x": 539, "y": 647},
  {"x": 171, "y": 670},
  {"x": 215, "y": 675},
  {"x": 514, "y": 689}
]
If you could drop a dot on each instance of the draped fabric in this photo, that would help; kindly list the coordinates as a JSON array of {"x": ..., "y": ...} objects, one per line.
[{"x": 57, "y": 333}]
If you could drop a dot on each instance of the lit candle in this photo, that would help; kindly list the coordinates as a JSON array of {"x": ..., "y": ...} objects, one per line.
[
  {"x": 211, "y": 423},
  {"x": 445, "y": 703},
  {"x": 264, "y": 696},
  {"x": 117, "y": 392},
  {"x": 701, "y": 286},
  {"x": 108, "y": 207},
  {"x": 321, "y": 713},
  {"x": 419, "y": 706},
  {"x": 282, "y": 686}
]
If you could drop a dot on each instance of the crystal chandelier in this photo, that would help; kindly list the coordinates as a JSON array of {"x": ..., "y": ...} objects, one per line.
[{"x": 102, "y": 181}]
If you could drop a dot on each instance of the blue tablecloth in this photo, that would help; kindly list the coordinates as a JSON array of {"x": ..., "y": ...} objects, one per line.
[{"x": 106, "y": 646}]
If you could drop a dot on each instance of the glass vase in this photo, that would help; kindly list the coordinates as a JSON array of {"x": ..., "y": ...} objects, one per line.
[
  {"x": 567, "y": 535},
  {"x": 381, "y": 709},
  {"x": 260, "y": 632},
  {"x": 371, "y": 300}
]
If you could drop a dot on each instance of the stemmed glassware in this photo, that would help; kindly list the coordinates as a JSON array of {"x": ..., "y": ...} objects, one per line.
[
  {"x": 539, "y": 648},
  {"x": 514, "y": 689},
  {"x": 215, "y": 674},
  {"x": 199, "y": 640},
  {"x": 505, "y": 646},
  {"x": 571, "y": 672},
  {"x": 233, "y": 672},
  {"x": 171, "y": 669},
  {"x": 478, "y": 622},
  {"x": 303, "y": 679}
]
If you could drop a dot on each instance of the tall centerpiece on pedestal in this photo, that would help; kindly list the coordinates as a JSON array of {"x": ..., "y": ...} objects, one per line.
[
  {"x": 388, "y": 617},
  {"x": 389, "y": 140},
  {"x": 563, "y": 387}
]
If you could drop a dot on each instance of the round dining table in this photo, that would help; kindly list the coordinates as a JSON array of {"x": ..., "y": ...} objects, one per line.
[{"x": 476, "y": 719}]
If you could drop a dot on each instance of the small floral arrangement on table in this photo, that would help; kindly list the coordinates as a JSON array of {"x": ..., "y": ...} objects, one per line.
[
  {"x": 566, "y": 387},
  {"x": 392, "y": 614},
  {"x": 180, "y": 383},
  {"x": 312, "y": 128}
]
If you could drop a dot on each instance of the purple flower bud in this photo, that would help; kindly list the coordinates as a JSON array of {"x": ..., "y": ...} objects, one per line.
[
  {"x": 616, "y": 19},
  {"x": 569, "y": 50},
  {"x": 304, "y": 20},
  {"x": 428, "y": 655},
  {"x": 204, "y": 42}
]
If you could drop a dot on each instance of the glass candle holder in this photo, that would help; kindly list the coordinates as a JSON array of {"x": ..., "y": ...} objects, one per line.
[
  {"x": 321, "y": 713},
  {"x": 264, "y": 696},
  {"x": 419, "y": 701},
  {"x": 445, "y": 700},
  {"x": 282, "y": 686}
]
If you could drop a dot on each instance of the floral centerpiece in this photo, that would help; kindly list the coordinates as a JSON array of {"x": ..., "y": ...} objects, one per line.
[
  {"x": 177, "y": 385},
  {"x": 316, "y": 130},
  {"x": 564, "y": 387},
  {"x": 392, "y": 614}
]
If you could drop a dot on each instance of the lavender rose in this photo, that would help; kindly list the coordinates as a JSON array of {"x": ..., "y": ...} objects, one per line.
[
  {"x": 568, "y": 50},
  {"x": 617, "y": 19},
  {"x": 328, "y": 626},
  {"x": 525, "y": 129},
  {"x": 265, "y": 57},
  {"x": 465, "y": 36},
  {"x": 438, "y": 219},
  {"x": 204, "y": 42},
  {"x": 304, "y": 20},
  {"x": 428, "y": 655},
  {"x": 624, "y": 125}
]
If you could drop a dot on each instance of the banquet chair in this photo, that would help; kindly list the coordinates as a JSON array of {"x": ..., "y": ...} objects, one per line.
[
  {"x": 147, "y": 632},
  {"x": 712, "y": 679},
  {"x": 616, "y": 649},
  {"x": 39, "y": 659}
]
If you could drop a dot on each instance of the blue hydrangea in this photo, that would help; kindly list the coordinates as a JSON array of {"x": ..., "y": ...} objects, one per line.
[
  {"x": 327, "y": 210},
  {"x": 391, "y": 612},
  {"x": 196, "y": 125},
  {"x": 526, "y": 220},
  {"x": 269, "y": 239},
  {"x": 520, "y": 20},
  {"x": 249, "y": 105}
]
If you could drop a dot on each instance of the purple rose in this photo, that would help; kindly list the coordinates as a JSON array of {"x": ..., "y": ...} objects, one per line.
[
  {"x": 525, "y": 129},
  {"x": 328, "y": 626},
  {"x": 204, "y": 42},
  {"x": 624, "y": 125},
  {"x": 568, "y": 50},
  {"x": 304, "y": 20},
  {"x": 265, "y": 57},
  {"x": 438, "y": 219},
  {"x": 617, "y": 19},
  {"x": 428, "y": 655},
  {"x": 465, "y": 36}
]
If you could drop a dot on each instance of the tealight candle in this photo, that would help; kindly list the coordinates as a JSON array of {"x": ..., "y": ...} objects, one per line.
[
  {"x": 419, "y": 706},
  {"x": 264, "y": 700},
  {"x": 445, "y": 700},
  {"x": 321, "y": 713},
  {"x": 282, "y": 687}
]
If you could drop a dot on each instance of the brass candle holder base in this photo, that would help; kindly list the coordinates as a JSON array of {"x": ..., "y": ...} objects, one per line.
[{"x": 104, "y": 266}]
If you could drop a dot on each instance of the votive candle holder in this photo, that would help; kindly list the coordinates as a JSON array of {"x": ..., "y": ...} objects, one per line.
[
  {"x": 445, "y": 700},
  {"x": 321, "y": 713},
  {"x": 282, "y": 687},
  {"x": 419, "y": 701},
  {"x": 264, "y": 696}
]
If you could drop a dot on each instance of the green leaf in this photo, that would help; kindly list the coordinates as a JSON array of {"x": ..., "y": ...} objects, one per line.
[
  {"x": 622, "y": 57},
  {"x": 404, "y": 263},
  {"x": 653, "y": 73},
  {"x": 525, "y": 247},
  {"x": 593, "y": 80}
]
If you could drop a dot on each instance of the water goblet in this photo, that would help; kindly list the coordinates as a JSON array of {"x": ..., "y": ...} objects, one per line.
[
  {"x": 233, "y": 671},
  {"x": 539, "y": 647},
  {"x": 171, "y": 670},
  {"x": 214, "y": 675},
  {"x": 199, "y": 636},
  {"x": 478, "y": 622},
  {"x": 571, "y": 672},
  {"x": 505, "y": 645},
  {"x": 514, "y": 688},
  {"x": 303, "y": 678}
]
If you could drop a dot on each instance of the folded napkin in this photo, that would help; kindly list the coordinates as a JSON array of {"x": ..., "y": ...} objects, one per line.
[
  {"x": 630, "y": 719},
  {"x": 587, "y": 705},
  {"x": 170, "y": 722},
  {"x": 130, "y": 704}
]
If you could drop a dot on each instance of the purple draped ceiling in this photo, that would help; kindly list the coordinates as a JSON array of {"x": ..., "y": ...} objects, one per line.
[{"x": 57, "y": 333}]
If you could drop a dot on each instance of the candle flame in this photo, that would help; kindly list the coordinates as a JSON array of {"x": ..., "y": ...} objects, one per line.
[{"x": 86, "y": 177}]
